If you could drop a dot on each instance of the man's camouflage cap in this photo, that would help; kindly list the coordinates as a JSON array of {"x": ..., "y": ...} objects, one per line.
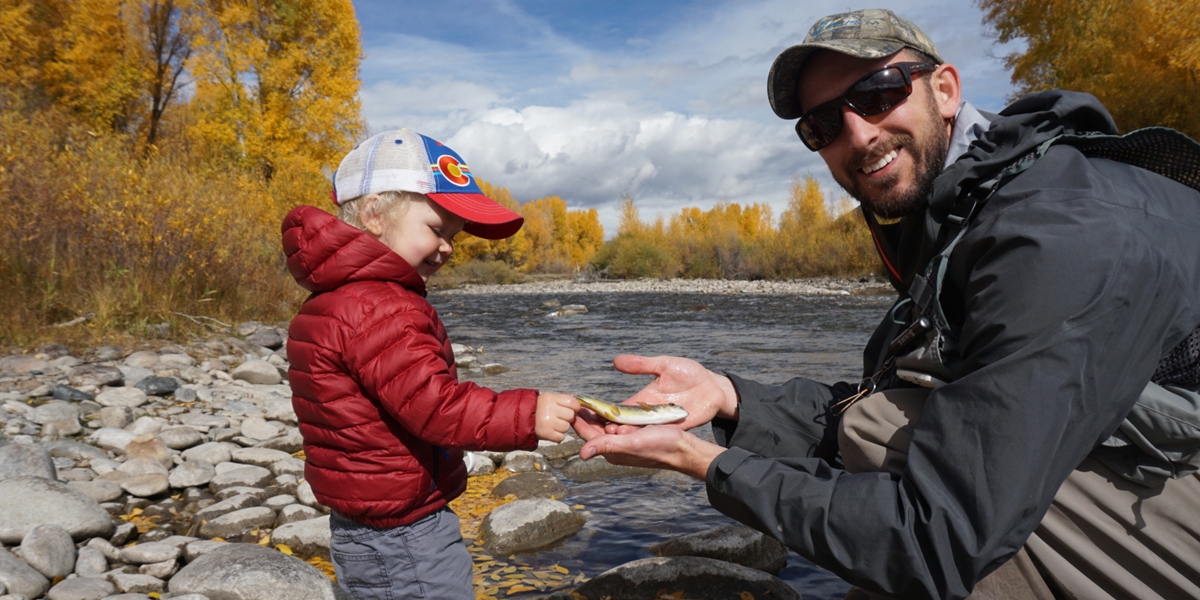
[{"x": 869, "y": 33}]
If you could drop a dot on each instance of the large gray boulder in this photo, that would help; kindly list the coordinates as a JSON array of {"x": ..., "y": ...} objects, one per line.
[
  {"x": 19, "y": 460},
  {"x": 527, "y": 525},
  {"x": 734, "y": 543},
  {"x": 19, "y": 578},
  {"x": 696, "y": 577},
  {"x": 231, "y": 525},
  {"x": 251, "y": 572},
  {"x": 33, "y": 501}
]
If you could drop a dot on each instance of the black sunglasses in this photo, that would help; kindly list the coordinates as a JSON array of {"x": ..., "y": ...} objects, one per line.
[{"x": 876, "y": 93}]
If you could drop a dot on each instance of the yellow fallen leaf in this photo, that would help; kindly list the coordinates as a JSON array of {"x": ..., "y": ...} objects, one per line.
[
  {"x": 284, "y": 549},
  {"x": 560, "y": 569},
  {"x": 746, "y": 596},
  {"x": 520, "y": 588},
  {"x": 508, "y": 570}
]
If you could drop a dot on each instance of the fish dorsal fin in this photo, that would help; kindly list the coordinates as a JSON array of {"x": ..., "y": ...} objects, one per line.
[{"x": 644, "y": 406}]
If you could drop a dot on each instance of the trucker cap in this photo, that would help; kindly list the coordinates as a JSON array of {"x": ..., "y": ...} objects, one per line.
[
  {"x": 868, "y": 33},
  {"x": 406, "y": 161}
]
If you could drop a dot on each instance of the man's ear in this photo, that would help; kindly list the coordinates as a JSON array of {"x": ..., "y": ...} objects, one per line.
[
  {"x": 368, "y": 214},
  {"x": 947, "y": 90}
]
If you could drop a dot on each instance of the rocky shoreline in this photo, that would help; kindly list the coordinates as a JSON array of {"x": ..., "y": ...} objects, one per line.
[
  {"x": 179, "y": 473},
  {"x": 830, "y": 286}
]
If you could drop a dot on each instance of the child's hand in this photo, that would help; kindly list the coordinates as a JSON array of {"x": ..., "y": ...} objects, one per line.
[{"x": 555, "y": 412}]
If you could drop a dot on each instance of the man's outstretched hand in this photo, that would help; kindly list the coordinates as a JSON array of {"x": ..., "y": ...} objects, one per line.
[
  {"x": 654, "y": 446},
  {"x": 681, "y": 381}
]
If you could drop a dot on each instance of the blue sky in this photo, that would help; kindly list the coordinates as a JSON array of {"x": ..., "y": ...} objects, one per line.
[{"x": 589, "y": 100}]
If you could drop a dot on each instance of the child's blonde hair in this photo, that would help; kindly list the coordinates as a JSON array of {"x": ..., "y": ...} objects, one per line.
[{"x": 389, "y": 205}]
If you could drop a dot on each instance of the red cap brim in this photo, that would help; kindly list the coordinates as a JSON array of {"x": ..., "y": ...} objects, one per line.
[{"x": 485, "y": 217}]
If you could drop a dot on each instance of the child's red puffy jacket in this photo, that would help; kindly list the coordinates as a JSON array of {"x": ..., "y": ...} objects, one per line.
[{"x": 383, "y": 415}]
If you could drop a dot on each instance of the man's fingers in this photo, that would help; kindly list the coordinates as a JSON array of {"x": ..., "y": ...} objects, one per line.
[{"x": 634, "y": 364}]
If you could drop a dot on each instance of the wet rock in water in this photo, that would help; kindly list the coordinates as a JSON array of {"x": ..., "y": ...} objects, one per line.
[
  {"x": 735, "y": 543},
  {"x": 95, "y": 375},
  {"x": 494, "y": 369},
  {"x": 21, "y": 460},
  {"x": 251, "y": 572},
  {"x": 531, "y": 485},
  {"x": 599, "y": 468},
  {"x": 50, "y": 550},
  {"x": 569, "y": 310},
  {"x": 259, "y": 372},
  {"x": 19, "y": 578},
  {"x": 158, "y": 386},
  {"x": 694, "y": 576},
  {"x": 33, "y": 501},
  {"x": 70, "y": 394},
  {"x": 122, "y": 396},
  {"x": 566, "y": 449},
  {"x": 527, "y": 525},
  {"x": 234, "y": 524},
  {"x": 82, "y": 588},
  {"x": 306, "y": 538},
  {"x": 523, "y": 461}
]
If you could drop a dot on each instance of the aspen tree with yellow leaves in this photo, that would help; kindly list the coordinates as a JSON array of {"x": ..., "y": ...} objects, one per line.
[
  {"x": 1140, "y": 58},
  {"x": 276, "y": 83}
]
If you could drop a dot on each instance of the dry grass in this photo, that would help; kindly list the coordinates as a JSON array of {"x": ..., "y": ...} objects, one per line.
[{"x": 92, "y": 229}]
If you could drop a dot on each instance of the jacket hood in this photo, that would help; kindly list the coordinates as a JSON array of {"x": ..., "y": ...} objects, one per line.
[
  {"x": 907, "y": 246},
  {"x": 1021, "y": 128},
  {"x": 324, "y": 253}
]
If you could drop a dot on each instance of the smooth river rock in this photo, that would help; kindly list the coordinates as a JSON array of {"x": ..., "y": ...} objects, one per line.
[
  {"x": 21, "y": 460},
  {"x": 696, "y": 577},
  {"x": 531, "y": 485},
  {"x": 251, "y": 572},
  {"x": 19, "y": 578},
  {"x": 33, "y": 501},
  {"x": 734, "y": 543},
  {"x": 306, "y": 538},
  {"x": 50, "y": 550},
  {"x": 527, "y": 525}
]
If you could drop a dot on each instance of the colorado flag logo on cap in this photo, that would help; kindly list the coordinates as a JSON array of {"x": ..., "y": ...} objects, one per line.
[{"x": 450, "y": 173}]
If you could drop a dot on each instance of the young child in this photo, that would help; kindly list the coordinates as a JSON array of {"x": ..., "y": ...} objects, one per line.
[{"x": 382, "y": 412}]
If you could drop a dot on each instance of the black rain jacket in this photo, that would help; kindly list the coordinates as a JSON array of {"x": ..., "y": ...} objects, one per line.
[{"x": 1068, "y": 287}]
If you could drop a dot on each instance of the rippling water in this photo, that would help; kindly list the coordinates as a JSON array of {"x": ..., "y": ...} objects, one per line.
[{"x": 769, "y": 338}]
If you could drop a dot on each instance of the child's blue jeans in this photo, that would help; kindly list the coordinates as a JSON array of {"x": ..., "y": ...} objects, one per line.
[{"x": 426, "y": 559}]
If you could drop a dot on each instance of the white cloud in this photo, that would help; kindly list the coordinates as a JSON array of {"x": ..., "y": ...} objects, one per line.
[{"x": 675, "y": 117}]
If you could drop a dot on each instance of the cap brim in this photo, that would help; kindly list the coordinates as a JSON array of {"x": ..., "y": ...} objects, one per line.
[
  {"x": 485, "y": 217},
  {"x": 783, "y": 82}
]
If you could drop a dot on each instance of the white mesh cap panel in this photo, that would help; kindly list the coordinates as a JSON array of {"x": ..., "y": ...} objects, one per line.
[{"x": 380, "y": 164}]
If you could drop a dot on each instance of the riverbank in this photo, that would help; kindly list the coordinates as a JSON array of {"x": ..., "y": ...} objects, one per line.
[{"x": 824, "y": 286}]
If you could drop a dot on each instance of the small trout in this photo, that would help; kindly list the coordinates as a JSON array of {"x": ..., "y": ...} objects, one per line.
[{"x": 628, "y": 414}]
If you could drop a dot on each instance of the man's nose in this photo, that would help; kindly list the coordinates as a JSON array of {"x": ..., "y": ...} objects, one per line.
[{"x": 858, "y": 130}]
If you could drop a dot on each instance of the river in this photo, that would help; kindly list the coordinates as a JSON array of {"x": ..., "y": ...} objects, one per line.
[{"x": 769, "y": 338}]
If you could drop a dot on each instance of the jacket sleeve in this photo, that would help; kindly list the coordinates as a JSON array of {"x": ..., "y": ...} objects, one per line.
[
  {"x": 398, "y": 360},
  {"x": 792, "y": 419},
  {"x": 1067, "y": 307}
]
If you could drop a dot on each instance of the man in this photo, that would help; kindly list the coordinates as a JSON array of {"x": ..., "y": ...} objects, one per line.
[{"x": 1012, "y": 414}]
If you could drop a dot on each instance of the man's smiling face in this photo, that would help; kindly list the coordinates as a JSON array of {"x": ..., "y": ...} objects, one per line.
[{"x": 888, "y": 161}]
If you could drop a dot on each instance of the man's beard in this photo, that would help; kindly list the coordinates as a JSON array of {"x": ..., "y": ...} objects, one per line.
[{"x": 928, "y": 160}]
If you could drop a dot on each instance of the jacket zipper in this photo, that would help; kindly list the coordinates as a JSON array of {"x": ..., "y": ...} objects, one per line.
[{"x": 436, "y": 463}]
